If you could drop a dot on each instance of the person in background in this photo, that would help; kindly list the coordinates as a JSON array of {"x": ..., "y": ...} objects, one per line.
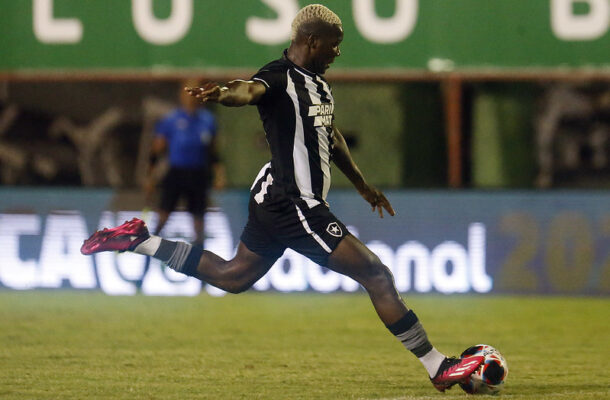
[{"x": 188, "y": 137}]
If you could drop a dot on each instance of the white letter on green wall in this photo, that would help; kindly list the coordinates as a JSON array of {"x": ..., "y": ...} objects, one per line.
[
  {"x": 573, "y": 27},
  {"x": 54, "y": 30},
  {"x": 162, "y": 31},
  {"x": 273, "y": 31},
  {"x": 385, "y": 30}
]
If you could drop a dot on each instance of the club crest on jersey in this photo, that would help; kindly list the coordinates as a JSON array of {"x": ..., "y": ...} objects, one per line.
[
  {"x": 322, "y": 113},
  {"x": 334, "y": 229}
]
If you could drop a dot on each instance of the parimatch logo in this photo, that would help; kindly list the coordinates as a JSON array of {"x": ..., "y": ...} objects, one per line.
[{"x": 323, "y": 114}]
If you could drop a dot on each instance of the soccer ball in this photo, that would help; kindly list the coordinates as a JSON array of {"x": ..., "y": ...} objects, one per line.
[{"x": 489, "y": 377}]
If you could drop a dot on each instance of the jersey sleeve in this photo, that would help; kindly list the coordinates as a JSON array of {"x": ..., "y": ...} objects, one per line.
[{"x": 273, "y": 77}]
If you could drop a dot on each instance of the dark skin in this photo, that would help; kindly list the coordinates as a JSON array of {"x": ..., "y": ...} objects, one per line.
[{"x": 315, "y": 47}]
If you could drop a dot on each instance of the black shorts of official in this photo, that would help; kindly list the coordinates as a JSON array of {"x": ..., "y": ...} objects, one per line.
[
  {"x": 314, "y": 232},
  {"x": 191, "y": 184}
]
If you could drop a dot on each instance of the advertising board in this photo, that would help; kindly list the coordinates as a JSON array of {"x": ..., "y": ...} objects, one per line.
[{"x": 439, "y": 242}]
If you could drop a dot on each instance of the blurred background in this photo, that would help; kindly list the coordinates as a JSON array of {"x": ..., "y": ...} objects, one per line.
[{"x": 487, "y": 123}]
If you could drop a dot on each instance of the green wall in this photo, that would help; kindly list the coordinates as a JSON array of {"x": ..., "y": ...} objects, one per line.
[
  {"x": 503, "y": 148},
  {"x": 217, "y": 35},
  {"x": 424, "y": 143}
]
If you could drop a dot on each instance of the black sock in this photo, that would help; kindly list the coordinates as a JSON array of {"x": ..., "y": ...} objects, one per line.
[
  {"x": 411, "y": 334},
  {"x": 179, "y": 256},
  {"x": 165, "y": 250}
]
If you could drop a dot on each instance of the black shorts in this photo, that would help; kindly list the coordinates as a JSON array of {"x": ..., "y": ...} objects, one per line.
[
  {"x": 192, "y": 184},
  {"x": 314, "y": 232}
]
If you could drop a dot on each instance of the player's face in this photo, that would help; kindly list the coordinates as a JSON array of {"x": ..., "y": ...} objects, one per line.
[{"x": 327, "y": 49}]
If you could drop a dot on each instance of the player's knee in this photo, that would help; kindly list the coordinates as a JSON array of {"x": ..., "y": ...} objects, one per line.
[
  {"x": 378, "y": 275},
  {"x": 237, "y": 289},
  {"x": 238, "y": 286}
]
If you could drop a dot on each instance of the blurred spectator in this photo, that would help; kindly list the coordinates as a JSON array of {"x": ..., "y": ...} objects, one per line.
[
  {"x": 573, "y": 136},
  {"x": 187, "y": 136}
]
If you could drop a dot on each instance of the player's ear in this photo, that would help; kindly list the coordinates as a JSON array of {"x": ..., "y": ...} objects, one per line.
[{"x": 312, "y": 41}]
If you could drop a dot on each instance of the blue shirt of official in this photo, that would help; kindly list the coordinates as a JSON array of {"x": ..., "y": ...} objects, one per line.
[{"x": 188, "y": 137}]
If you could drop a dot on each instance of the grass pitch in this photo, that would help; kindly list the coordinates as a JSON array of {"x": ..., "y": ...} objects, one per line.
[{"x": 75, "y": 345}]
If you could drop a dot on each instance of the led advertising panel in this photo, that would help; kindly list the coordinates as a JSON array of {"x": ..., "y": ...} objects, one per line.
[{"x": 439, "y": 242}]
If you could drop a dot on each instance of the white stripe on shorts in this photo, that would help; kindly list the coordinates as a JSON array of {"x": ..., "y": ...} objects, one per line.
[{"x": 312, "y": 233}]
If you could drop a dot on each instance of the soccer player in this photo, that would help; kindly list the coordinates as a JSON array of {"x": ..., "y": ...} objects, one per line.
[{"x": 288, "y": 207}]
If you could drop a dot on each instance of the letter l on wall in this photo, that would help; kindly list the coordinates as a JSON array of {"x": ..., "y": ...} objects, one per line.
[{"x": 54, "y": 30}]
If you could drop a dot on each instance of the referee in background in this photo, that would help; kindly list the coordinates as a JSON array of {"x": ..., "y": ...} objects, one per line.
[{"x": 187, "y": 136}]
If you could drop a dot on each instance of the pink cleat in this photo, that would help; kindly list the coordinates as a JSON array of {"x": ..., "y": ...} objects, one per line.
[
  {"x": 122, "y": 238},
  {"x": 455, "y": 370}
]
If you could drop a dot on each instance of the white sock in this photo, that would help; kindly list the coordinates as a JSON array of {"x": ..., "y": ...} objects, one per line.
[
  {"x": 432, "y": 360},
  {"x": 149, "y": 246}
]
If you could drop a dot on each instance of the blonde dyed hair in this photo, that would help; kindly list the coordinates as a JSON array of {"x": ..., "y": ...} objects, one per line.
[{"x": 310, "y": 13}]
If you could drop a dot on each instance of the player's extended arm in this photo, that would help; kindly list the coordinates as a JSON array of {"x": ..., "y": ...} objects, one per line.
[
  {"x": 343, "y": 160},
  {"x": 236, "y": 93}
]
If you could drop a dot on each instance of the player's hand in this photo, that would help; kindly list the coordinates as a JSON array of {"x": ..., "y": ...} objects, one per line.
[
  {"x": 377, "y": 200},
  {"x": 210, "y": 91}
]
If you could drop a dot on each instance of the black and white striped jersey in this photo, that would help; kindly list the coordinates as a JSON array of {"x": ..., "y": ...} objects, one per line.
[{"x": 297, "y": 115}]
